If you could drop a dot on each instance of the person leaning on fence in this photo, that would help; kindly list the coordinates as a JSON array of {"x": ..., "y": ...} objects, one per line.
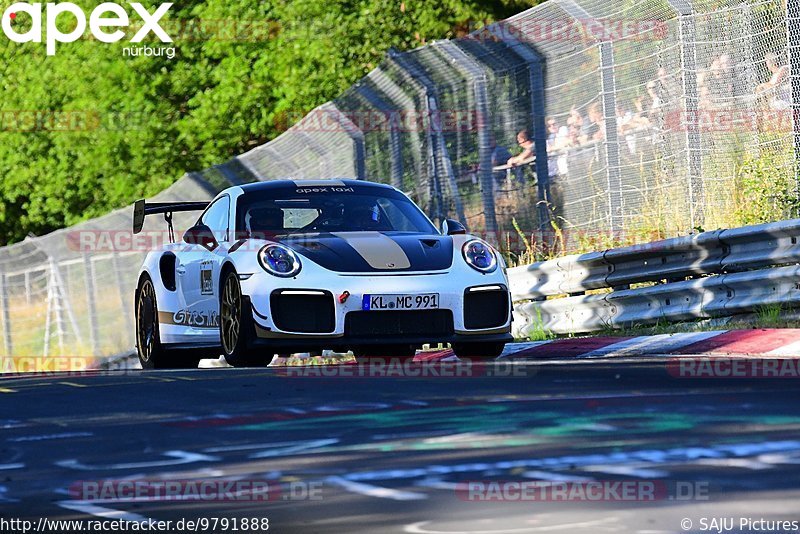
[
  {"x": 524, "y": 141},
  {"x": 776, "y": 87},
  {"x": 593, "y": 129}
]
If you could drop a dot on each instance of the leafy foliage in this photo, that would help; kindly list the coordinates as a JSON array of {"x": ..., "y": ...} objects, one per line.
[{"x": 90, "y": 129}]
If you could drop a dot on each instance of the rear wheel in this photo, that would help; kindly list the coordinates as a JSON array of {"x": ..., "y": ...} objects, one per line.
[
  {"x": 152, "y": 354},
  {"x": 236, "y": 325},
  {"x": 484, "y": 350}
]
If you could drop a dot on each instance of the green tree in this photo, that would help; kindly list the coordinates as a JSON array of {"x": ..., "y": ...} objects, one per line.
[{"x": 126, "y": 127}]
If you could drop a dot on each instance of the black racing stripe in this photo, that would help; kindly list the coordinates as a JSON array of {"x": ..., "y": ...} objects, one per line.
[
  {"x": 329, "y": 251},
  {"x": 425, "y": 252}
]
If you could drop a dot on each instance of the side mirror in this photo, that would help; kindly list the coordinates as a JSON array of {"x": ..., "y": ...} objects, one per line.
[
  {"x": 452, "y": 227},
  {"x": 200, "y": 235}
]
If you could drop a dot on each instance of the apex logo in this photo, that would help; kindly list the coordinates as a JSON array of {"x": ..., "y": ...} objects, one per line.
[{"x": 106, "y": 15}]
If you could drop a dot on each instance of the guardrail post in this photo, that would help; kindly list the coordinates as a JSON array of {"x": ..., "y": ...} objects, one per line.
[
  {"x": 793, "y": 48},
  {"x": 27, "y": 283},
  {"x": 538, "y": 120},
  {"x": 7, "y": 340},
  {"x": 402, "y": 101},
  {"x": 437, "y": 149},
  {"x": 88, "y": 270},
  {"x": 58, "y": 300},
  {"x": 609, "y": 89},
  {"x": 395, "y": 140},
  {"x": 687, "y": 37},
  {"x": 608, "y": 100},
  {"x": 477, "y": 75},
  {"x": 357, "y": 136}
]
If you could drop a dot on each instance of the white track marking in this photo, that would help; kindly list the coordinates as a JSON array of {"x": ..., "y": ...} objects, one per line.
[
  {"x": 4, "y": 467},
  {"x": 43, "y": 437},
  {"x": 555, "y": 477},
  {"x": 658, "y": 344},
  {"x": 375, "y": 491},
  {"x": 792, "y": 349},
  {"x": 181, "y": 457},
  {"x": 742, "y": 463},
  {"x": 513, "y": 348},
  {"x": 653, "y": 457},
  {"x": 252, "y": 446},
  {"x": 98, "y": 511}
]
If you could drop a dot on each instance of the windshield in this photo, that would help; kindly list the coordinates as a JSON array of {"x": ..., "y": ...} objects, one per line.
[{"x": 301, "y": 210}]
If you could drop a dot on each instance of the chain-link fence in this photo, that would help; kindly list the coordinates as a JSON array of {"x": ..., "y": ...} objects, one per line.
[{"x": 575, "y": 125}]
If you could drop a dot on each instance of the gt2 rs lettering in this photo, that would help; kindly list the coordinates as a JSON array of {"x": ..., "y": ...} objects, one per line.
[{"x": 193, "y": 318}]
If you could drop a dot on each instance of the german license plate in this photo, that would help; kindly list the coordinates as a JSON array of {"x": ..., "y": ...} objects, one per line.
[{"x": 424, "y": 301}]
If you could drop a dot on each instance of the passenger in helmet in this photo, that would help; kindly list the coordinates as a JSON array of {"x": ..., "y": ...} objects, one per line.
[{"x": 266, "y": 223}]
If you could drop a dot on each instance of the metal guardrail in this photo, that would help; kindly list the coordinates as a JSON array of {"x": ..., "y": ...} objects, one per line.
[{"x": 711, "y": 274}]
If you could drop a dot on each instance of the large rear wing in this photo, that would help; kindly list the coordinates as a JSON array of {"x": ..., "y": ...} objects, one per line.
[{"x": 141, "y": 209}]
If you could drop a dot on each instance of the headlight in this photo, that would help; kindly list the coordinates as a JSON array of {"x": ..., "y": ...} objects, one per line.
[
  {"x": 479, "y": 256},
  {"x": 279, "y": 260}
]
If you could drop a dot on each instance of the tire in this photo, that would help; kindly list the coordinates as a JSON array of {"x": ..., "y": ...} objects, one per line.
[
  {"x": 152, "y": 354},
  {"x": 383, "y": 351},
  {"x": 484, "y": 350},
  {"x": 236, "y": 324}
]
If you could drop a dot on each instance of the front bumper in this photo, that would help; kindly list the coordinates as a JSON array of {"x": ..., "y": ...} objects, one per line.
[
  {"x": 343, "y": 343},
  {"x": 336, "y": 331}
]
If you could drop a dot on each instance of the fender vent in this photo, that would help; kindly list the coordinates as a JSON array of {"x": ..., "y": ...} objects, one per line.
[{"x": 166, "y": 266}]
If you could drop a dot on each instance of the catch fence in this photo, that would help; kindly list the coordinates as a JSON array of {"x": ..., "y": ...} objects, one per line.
[{"x": 639, "y": 119}]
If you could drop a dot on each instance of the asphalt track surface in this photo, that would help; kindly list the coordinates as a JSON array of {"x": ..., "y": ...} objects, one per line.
[{"x": 385, "y": 454}]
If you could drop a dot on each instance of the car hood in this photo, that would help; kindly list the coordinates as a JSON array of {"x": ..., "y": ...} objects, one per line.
[{"x": 358, "y": 252}]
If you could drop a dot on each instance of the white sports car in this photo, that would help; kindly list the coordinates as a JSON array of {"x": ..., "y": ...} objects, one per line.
[{"x": 299, "y": 266}]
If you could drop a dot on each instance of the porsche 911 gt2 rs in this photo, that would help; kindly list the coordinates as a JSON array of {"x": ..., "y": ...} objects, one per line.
[{"x": 297, "y": 266}]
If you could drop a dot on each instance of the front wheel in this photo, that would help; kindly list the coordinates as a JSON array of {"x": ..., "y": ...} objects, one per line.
[
  {"x": 484, "y": 350},
  {"x": 236, "y": 325}
]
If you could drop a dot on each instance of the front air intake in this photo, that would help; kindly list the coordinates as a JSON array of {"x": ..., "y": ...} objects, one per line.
[
  {"x": 305, "y": 311},
  {"x": 485, "y": 307}
]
